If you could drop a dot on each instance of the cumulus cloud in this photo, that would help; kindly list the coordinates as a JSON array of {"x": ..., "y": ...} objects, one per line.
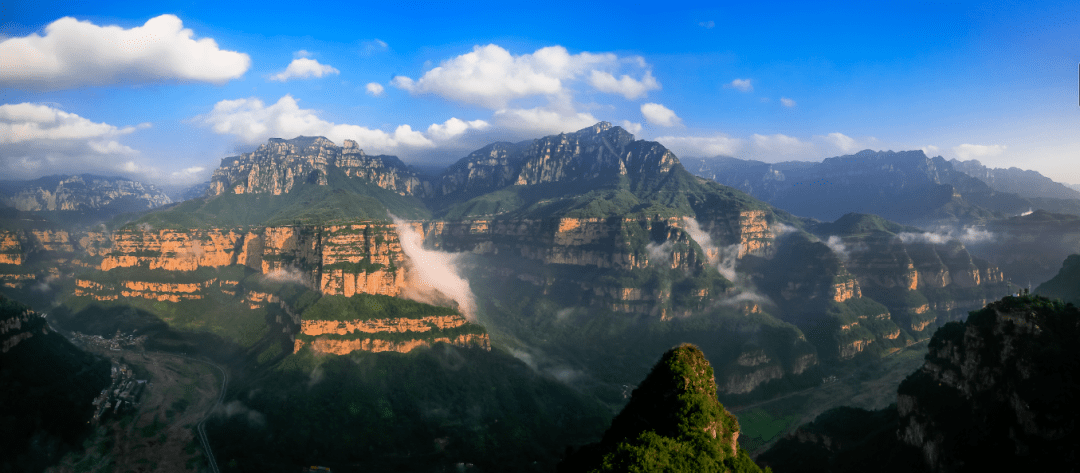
[
  {"x": 657, "y": 114},
  {"x": 841, "y": 142},
  {"x": 254, "y": 122},
  {"x": 787, "y": 102},
  {"x": 543, "y": 119},
  {"x": 931, "y": 150},
  {"x": 969, "y": 151},
  {"x": 35, "y": 122},
  {"x": 374, "y": 88},
  {"x": 454, "y": 127},
  {"x": 303, "y": 68},
  {"x": 38, "y": 139},
  {"x": 625, "y": 85},
  {"x": 492, "y": 77},
  {"x": 742, "y": 85},
  {"x": 75, "y": 53},
  {"x": 632, "y": 127}
]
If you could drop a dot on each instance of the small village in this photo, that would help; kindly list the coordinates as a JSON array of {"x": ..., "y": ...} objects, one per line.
[
  {"x": 124, "y": 391},
  {"x": 121, "y": 395},
  {"x": 116, "y": 343}
]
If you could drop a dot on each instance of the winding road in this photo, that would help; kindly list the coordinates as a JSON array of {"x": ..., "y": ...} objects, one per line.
[{"x": 200, "y": 429}]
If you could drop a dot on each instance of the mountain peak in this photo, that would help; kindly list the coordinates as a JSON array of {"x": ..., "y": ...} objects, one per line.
[{"x": 672, "y": 417}]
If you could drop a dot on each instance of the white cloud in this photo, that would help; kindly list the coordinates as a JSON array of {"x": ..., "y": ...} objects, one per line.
[
  {"x": 780, "y": 145},
  {"x": 374, "y": 46},
  {"x": 76, "y": 53},
  {"x": 787, "y": 102},
  {"x": 657, "y": 114},
  {"x": 632, "y": 127},
  {"x": 742, "y": 85},
  {"x": 492, "y": 77},
  {"x": 841, "y": 142},
  {"x": 34, "y": 122},
  {"x": 303, "y": 68},
  {"x": 454, "y": 127},
  {"x": 375, "y": 88},
  {"x": 110, "y": 147},
  {"x": 254, "y": 122},
  {"x": 707, "y": 24},
  {"x": 703, "y": 146},
  {"x": 931, "y": 150},
  {"x": 625, "y": 85},
  {"x": 543, "y": 120},
  {"x": 38, "y": 139},
  {"x": 968, "y": 151},
  {"x": 189, "y": 174}
]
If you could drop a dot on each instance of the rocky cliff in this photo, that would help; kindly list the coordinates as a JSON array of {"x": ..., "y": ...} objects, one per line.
[
  {"x": 280, "y": 165},
  {"x": 84, "y": 192},
  {"x": 374, "y": 323},
  {"x": 994, "y": 393},
  {"x": 1002, "y": 381}
]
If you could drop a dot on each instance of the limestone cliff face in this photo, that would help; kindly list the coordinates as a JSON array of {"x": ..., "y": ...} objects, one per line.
[
  {"x": 341, "y": 337},
  {"x": 278, "y": 166},
  {"x": 886, "y": 261},
  {"x": 83, "y": 192},
  {"x": 344, "y": 347},
  {"x": 11, "y": 251},
  {"x": 392, "y": 325},
  {"x": 343, "y": 260}
]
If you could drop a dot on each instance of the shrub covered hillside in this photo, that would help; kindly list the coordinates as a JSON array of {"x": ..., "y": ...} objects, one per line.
[{"x": 672, "y": 423}]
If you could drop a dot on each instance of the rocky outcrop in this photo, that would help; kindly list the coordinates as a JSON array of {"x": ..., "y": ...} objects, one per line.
[
  {"x": 280, "y": 165},
  {"x": 344, "y": 259},
  {"x": 673, "y": 418},
  {"x": 394, "y": 325},
  {"x": 999, "y": 381},
  {"x": 82, "y": 193},
  {"x": 374, "y": 345}
]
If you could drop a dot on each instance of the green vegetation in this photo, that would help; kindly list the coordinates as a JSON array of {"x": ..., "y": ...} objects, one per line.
[
  {"x": 46, "y": 386},
  {"x": 344, "y": 200},
  {"x": 426, "y": 410},
  {"x": 371, "y": 306},
  {"x": 673, "y": 422}
]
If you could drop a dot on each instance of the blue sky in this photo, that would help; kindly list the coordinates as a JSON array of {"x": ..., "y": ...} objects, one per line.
[{"x": 161, "y": 91}]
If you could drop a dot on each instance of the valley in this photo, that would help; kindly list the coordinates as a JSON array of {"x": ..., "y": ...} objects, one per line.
[{"x": 161, "y": 433}]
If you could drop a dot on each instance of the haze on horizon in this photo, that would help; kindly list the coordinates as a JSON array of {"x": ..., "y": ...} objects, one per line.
[{"x": 162, "y": 92}]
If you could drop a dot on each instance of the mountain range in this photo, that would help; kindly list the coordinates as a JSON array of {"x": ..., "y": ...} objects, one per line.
[{"x": 505, "y": 308}]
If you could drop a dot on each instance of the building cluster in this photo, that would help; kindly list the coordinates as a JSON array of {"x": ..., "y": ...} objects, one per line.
[
  {"x": 122, "y": 394},
  {"x": 116, "y": 343}
]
